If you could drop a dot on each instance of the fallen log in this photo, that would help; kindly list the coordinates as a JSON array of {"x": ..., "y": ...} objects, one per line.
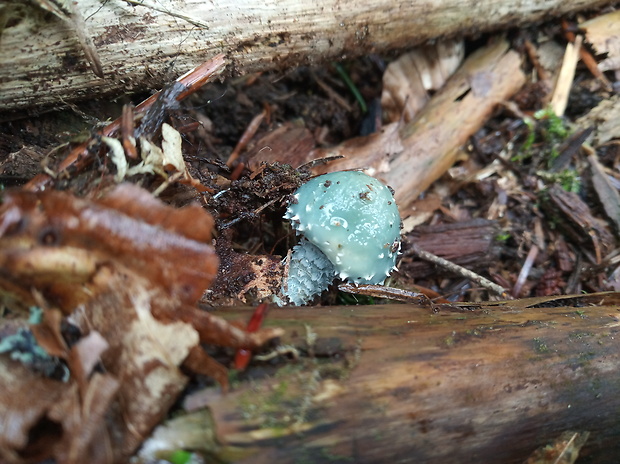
[
  {"x": 44, "y": 58},
  {"x": 407, "y": 383}
]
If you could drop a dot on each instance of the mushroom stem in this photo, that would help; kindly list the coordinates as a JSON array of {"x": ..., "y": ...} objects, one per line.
[{"x": 310, "y": 272}]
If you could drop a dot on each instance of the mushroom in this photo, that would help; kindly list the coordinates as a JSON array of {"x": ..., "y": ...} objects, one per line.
[{"x": 351, "y": 229}]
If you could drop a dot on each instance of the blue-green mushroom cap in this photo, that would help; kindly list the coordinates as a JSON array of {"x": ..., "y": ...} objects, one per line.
[{"x": 353, "y": 219}]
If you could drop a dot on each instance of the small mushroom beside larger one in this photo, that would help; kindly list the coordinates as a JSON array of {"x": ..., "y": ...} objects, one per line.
[{"x": 351, "y": 229}]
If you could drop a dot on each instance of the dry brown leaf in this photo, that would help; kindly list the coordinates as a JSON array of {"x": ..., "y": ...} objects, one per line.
[
  {"x": 603, "y": 32},
  {"x": 131, "y": 270},
  {"x": 155, "y": 160},
  {"x": 144, "y": 353},
  {"x": 89, "y": 350},
  {"x": 27, "y": 398},
  {"x": 65, "y": 240},
  {"x": 48, "y": 333},
  {"x": 85, "y": 433},
  {"x": 288, "y": 144}
]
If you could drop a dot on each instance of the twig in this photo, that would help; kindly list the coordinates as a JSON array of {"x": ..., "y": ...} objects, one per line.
[
  {"x": 78, "y": 157},
  {"x": 250, "y": 131},
  {"x": 249, "y": 214},
  {"x": 174, "y": 14},
  {"x": 459, "y": 270},
  {"x": 280, "y": 350},
  {"x": 332, "y": 93},
  {"x": 533, "y": 56},
  {"x": 525, "y": 271},
  {"x": 379, "y": 291},
  {"x": 69, "y": 13}
]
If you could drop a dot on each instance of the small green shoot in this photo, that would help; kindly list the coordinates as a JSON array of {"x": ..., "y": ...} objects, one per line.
[
  {"x": 503, "y": 236},
  {"x": 568, "y": 179},
  {"x": 556, "y": 127},
  {"x": 352, "y": 87},
  {"x": 546, "y": 128},
  {"x": 180, "y": 457}
]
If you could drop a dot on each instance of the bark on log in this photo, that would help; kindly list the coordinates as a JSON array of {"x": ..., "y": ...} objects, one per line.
[
  {"x": 42, "y": 64},
  {"x": 471, "y": 244},
  {"x": 403, "y": 383}
]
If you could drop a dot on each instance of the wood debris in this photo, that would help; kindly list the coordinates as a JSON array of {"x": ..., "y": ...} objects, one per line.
[{"x": 130, "y": 269}]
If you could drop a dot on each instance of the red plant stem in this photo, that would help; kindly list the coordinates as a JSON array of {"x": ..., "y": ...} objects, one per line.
[{"x": 242, "y": 357}]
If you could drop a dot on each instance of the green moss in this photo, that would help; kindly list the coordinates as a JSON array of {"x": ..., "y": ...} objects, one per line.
[
  {"x": 568, "y": 179},
  {"x": 180, "y": 457},
  {"x": 503, "y": 236},
  {"x": 271, "y": 408},
  {"x": 286, "y": 404},
  {"x": 555, "y": 127},
  {"x": 449, "y": 341},
  {"x": 545, "y": 134},
  {"x": 579, "y": 335},
  {"x": 540, "y": 346}
]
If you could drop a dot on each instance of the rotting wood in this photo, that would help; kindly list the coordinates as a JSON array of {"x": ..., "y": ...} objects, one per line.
[
  {"x": 471, "y": 244},
  {"x": 42, "y": 63},
  {"x": 410, "y": 157},
  {"x": 403, "y": 383},
  {"x": 574, "y": 217}
]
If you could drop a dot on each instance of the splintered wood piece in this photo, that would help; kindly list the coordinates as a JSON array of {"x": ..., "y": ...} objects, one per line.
[
  {"x": 603, "y": 33},
  {"x": 410, "y": 157},
  {"x": 409, "y": 80},
  {"x": 559, "y": 99},
  {"x": 405, "y": 383}
]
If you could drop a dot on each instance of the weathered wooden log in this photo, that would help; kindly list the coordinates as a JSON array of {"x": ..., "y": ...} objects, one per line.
[
  {"x": 44, "y": 62},
  {"x": 406, "y": 383}
]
